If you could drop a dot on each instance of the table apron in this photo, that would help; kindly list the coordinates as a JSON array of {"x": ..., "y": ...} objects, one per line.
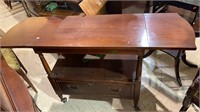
[{"x": 89, "y": 51}]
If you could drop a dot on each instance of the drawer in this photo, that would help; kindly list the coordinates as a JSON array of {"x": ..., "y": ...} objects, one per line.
[{"x": 91, "y": 88}]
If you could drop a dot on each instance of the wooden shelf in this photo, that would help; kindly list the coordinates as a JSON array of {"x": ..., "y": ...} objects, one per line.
[
  {"x": 75, "y": 75},
  {"x": 95, "y": 70}
]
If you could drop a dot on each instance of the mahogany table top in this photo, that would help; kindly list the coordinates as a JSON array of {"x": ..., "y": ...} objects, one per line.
[{"x": 123, "y": 31}]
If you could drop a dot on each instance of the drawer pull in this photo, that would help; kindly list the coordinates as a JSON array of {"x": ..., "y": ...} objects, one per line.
[
  {"x": 91, "y": 83},
  {"x": 115, "y": 90},
  {"x": 72, "y": 87}
]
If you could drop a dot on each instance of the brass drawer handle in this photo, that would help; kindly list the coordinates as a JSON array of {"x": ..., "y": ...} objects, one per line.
[{"x": 114, "y": 90}]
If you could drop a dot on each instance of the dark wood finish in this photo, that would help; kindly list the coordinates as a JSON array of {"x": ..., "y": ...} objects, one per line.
[
  {"x": 8, "y": 3},
  {"x": 193, "y": 6},
  {"x": 196, "y": 27},
  {"x": 156, "y": 29},
  {"x": 183, "y": 57},
  {"x": 177, "y": 6},
  {"x": 105, "y": 89},
  {"x": 14, "y": 94},
  {"x": 100, "y": 34},
  {"x": 95, "y": 70},
  {"x": 115, "y": 32},
  {"x": 138, "y": 80},
  {"x": 106, "y": 77},
  {"x": 9, "y": 55},
  {"x": 192, "y": 94}
]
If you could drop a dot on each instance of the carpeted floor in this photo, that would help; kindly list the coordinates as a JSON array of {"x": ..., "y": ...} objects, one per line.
[{"x": 159, "y": 92}]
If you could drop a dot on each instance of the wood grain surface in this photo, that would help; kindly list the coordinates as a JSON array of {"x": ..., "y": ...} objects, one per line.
[{"x": 125, "y": 31}]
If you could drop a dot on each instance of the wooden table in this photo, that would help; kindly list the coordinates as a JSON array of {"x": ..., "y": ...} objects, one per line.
[{"x": 101, "y": 34}]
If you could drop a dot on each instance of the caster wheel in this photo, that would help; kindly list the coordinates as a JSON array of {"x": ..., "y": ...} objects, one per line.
[
  {"x": 137, "y": 108},
  {"x": 64, "y": 100}
]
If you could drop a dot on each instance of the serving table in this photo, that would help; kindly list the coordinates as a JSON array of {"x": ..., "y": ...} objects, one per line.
[{"x": 76, "y": 36}]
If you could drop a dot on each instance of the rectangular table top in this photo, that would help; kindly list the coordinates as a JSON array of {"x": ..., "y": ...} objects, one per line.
[{"x": 123, "y": 31}]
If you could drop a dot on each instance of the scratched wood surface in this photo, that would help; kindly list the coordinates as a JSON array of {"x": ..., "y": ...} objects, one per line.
[{"x": 125, "y": 31}]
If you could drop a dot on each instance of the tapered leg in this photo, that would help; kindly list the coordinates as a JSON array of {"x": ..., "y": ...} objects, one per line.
[
  {"x": 50, "y": 77},
  {"x": 177, "y": 63},
  {"x": 20, "y": 63},
  {"x": 23, "y": 75},
  {"x": 63, "y": 99},
  {"x": 25, "y": 8},
  {"x": 138, "y": 81},
  {"x": 37, "y": 109},
  {"x": 148, "y": 53}
]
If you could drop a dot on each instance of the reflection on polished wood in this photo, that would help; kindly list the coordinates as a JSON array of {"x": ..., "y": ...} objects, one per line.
[
  {"x": 113, "y": 31},
  {"x": 101, "y": 34},
  {"x": 189, "y": 10}
]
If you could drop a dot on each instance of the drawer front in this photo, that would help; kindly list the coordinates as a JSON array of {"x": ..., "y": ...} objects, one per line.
[{"x": 90, "y": 88}]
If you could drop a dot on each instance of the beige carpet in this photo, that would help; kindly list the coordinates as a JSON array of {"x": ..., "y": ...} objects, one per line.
[{"x": 159, "y": 92}]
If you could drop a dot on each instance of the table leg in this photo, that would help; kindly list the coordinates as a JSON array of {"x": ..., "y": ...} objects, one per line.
[
  {"x": 44, "y": 63},
  {"x": 138, "y": 80},
  {"x": 25, "y": 8},
  {"x": 186, "y": 62},
  {"x": 50, "y": 77}
]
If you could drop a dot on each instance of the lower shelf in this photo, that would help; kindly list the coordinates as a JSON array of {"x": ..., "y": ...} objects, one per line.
[{"x": 96, "y": 76}]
